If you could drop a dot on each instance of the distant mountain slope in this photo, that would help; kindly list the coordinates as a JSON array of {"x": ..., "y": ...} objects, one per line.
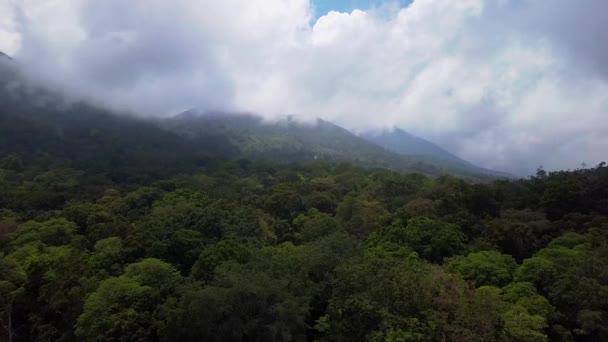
[
  {"x": 404, "y": 143},
  {"x": 4, "y": 56},
  {"x": 39, "y": 124},
  {"x": 291, "y": 141}
]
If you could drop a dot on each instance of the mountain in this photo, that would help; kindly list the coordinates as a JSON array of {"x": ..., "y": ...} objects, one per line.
[
  {"x": 4, "y": 56},
  {"x": 289, "y": 140},
  {"x": 38, "y": 123},
  {"x": 42, "y": 127},
  {"x": 404, "y": 143}
]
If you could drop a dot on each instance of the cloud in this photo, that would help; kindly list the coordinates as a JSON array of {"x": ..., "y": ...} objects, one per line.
[
  {"x": 507, "y": 84},
  {"x": 9, "y": 37}
]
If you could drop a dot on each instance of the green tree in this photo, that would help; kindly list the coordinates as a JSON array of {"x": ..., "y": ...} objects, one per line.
[
  {"x": 520, "y": 326},
  {"x": 484, "y": 268},
  {"x": 361, "y": 217},
  {"x": 108, "y": 256},
  {"x": 214, "y": 255},
  {"x": 124, "y": 308},
  {"x": 571, "y": 273},
  {"x": 433, "y": 240},
  {"x": 314, "y": 225}
]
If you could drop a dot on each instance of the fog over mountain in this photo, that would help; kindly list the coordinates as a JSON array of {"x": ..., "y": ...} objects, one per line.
[{"x": 505, "y": 84}]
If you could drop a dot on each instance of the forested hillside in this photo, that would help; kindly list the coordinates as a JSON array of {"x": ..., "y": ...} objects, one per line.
[
  {"x": 401, "y": 142},
  {"x": 38, "y": 121},
  {"x": 47, "y": 129},
  {"x": 290, "y": 140},
  {"x": 247, "y": 251}
]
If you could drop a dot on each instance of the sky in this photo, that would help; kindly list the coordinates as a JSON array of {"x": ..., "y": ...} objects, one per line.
[
  {"x": 323, "y": 7},
  {"x": 506, "y": 84}
]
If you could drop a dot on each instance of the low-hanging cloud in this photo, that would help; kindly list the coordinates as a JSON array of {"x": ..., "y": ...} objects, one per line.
[{"x": 507, "y": 84}]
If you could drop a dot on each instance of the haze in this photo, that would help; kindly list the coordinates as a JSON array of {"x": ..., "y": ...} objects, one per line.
[{"x": 505, "y": 84}]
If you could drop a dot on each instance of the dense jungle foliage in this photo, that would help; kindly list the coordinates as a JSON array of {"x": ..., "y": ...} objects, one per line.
[{"x": 249, "y": 251}]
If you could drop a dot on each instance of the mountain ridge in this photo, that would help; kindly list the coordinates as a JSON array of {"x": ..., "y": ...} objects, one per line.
[
  {"x": 290, "y": 139},
  {"x": 4, "y": 55},
  {"x": 405, "y": 143},
  {"x": 81, "y": 132}
]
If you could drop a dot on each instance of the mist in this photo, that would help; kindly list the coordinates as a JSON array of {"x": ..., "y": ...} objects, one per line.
[{"x": 507, "y": 85}]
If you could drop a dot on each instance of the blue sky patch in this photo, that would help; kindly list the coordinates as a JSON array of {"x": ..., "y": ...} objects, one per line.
[{"x": 323, "y": 7}]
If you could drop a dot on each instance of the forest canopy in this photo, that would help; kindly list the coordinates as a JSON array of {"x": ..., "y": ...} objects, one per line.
[{"x": 250, "y": 251}]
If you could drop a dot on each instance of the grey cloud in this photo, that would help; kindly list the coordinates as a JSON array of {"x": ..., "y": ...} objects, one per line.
[
  {"x": 148, "y": 59},
  {"x": 577, "y": 29},
  {"x": 575, "y": 35},
  {"x": 124, "y": 46}
]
